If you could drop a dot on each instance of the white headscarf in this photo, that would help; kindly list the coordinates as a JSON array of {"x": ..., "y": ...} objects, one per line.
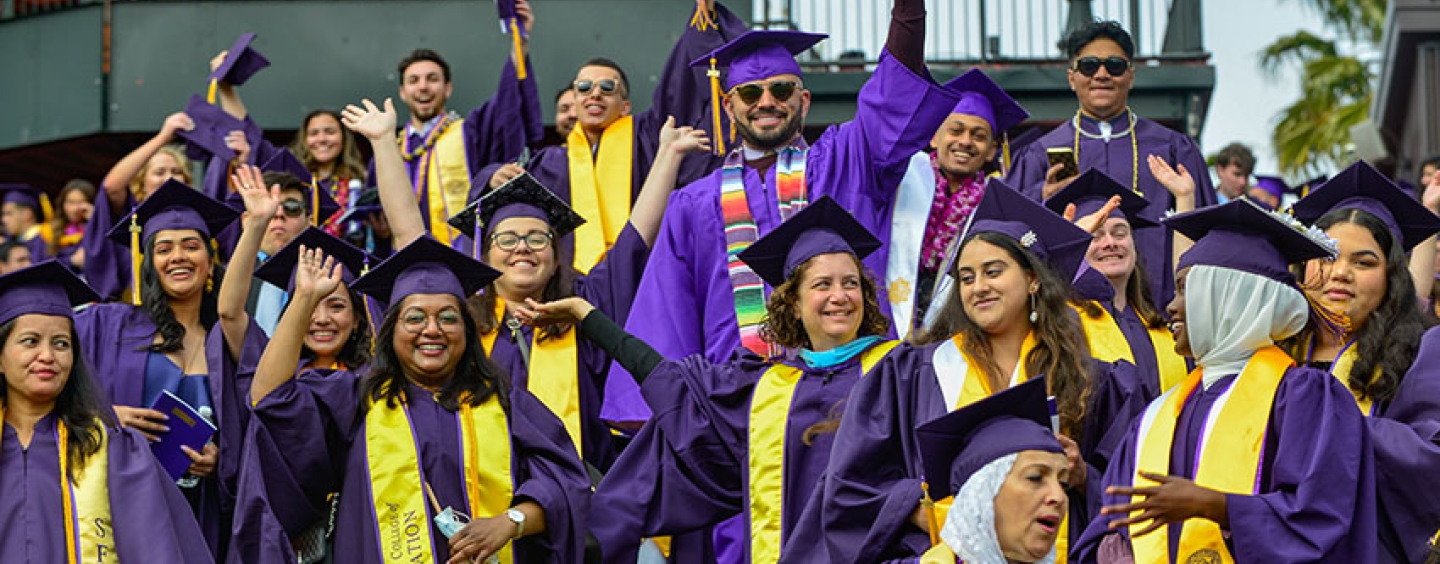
[
  {"x": 969, "y": 528},
  {"x": 1229, "y": 314}
]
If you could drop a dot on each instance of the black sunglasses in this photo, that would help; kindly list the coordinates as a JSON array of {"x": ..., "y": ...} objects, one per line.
[
  {"x": 292, "y": 208},
  {"x": 1088, "y": 66},
  {"x": 607, "y": 86},
  {"x": 782, "y": 90}
]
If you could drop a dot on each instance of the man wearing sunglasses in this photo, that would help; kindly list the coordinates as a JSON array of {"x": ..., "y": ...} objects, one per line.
[
  {"x": 1106, "y": 134},
  {"x": 602, "y": 164}
]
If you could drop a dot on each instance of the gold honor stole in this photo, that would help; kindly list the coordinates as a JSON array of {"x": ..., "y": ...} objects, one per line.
[
  {"x": 1171, "y": 364},
  {"x": 1341, "y": 367},
  {"x": 600, "y": 189},
  {"x": 397, "y": 480},
  {"x": 85, "y": 499},
  {"x": 553, "y": 373},
  {"x": 1108, "y": 344},
  {"x": 443, "y": 175},
  {"x": 1229, "y": 465},
  {"x": 769, "y": 417},
  {"x": 941, "y": 554}
]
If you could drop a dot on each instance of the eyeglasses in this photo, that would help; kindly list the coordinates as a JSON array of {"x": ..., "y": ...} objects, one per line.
[
  {"x": 1088, "y": 66},
  {"x": 292, "y": 208},
  {"x": 510, "y": 240},
  {"x": 607, "y": 86},
  {"x": 782, "y": 90}
]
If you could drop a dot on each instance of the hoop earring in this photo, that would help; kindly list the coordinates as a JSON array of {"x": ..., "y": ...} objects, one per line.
[{"x": 1034, "y": 315}]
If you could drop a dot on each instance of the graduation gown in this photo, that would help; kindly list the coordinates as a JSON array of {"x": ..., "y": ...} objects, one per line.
[
  {"x": 1315, "y": 495},
  {"x": 307, "y": 440},
  {"x": 1115, "y": 158},
  {"x": 610, "y": 287},
  {"x": 857, "y": 163},
  {"x": 689, "y": 467},
  {"x": 1150, "y": 381},
  {"x": 1405, "y": 436},
  {"x": 107, "y": 263},
  {"x": 149, "y": 520},
  {"x": 862, "y": 506}
]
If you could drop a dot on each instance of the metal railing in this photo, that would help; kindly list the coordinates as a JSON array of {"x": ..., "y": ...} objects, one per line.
[{"x": 962, "y": 31}]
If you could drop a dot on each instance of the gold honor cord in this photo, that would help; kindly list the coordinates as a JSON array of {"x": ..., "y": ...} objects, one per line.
[{"x": 1134, "y": 148}]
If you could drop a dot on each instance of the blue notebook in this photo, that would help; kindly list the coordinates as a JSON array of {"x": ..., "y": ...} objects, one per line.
[{"x": 187, "y": 428}]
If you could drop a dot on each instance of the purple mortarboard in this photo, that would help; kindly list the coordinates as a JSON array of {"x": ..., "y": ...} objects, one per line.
[
  {"x": 821, "y": 228},
  {"x": 522, "y": 196},
  {"x": 982, "y": 98},
  {"x": 1092, "y": 189},
  {"x": 759, "y": 54},
  {"x": 280, "y": 269},
  {"x": 955, "y": 446},
  {"x": 1059, "y": 243},
  {"x": 1241, "y": 235},
  {"x": 241, "y": 62},
  {"x": 48, "y": 288},
  {"x": 425, "y": 266},
  {"x": 212, "y": 124},
  {"x": 1362, "y": 187},
  {"x": 367, "y": 202},
  {"x": 175, "y": 206},
  {"x": 28, "y": 196},
  {"x": 1273, "y": 185}
]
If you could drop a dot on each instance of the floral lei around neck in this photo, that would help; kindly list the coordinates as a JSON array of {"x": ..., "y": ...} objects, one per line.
[{"x": 411, "y": 153}]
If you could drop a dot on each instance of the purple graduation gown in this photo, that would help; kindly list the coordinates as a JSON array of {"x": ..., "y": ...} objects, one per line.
[
  {"x": 307, "y": 440},
  {"x": 862, "y": 507},
  {"x": 1027, "y": 174},
  {"x": 1316, "y": 498},
  {"x": 610, "y": 287},
  {"x": 1405, "y": 435},
  {"x": 688, "y": 468},
  {"x": 1147, "y": 367},
  {"x": 107, "y": 263},
  {"x": 149, "y": 520},
  {"x": 858, "y": 163}
]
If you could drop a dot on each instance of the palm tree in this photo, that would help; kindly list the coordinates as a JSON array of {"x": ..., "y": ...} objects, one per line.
[{"x": 1312, "y": 133}]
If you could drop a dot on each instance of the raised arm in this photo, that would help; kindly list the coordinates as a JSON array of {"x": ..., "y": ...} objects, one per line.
[
  {"x": 1182, "y": 186},
  {"x": 1422, "y": 260},
  {"x": 316, "y": 276},
  {"x": 117, "y": 181},
  {"x": 402, "y": 210},
  {"x": 229, "y": 98},
  {"x": 260, "y": 206},
  {"x": 649, "y": 207}
]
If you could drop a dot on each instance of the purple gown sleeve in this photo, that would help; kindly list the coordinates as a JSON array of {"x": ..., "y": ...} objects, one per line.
[
  {"x": 1027, "y": 170},
  {"x": 39, "y": 250},
  {"x": 1406, "y": 439},
  {"x": 230, "y": 394},
  {"x": 310, "y": 420},
  {"x": 612, "y": 284},
  {"x": 107, "y": 264},
  {"x": 151, "y": 519},
  {"x": 498, "y": 130},
  {"x": 550, "y": 475}
]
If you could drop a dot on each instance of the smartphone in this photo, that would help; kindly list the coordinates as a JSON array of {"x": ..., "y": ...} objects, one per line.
[{"x": 1063, "y": 156}]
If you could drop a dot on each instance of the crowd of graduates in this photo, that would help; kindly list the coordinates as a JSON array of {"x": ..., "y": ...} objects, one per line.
[{"x": 690, "y": 334}]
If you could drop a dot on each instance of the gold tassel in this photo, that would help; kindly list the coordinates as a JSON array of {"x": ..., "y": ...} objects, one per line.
[
  {"x": 1334, "y": 323},
  {"x": 315, "y": 201},
  {"x": 210, "y": 94},
  {"x": 134, "y": 260},
  {"x": 929, "y": 505},
  {"x": 519, "y": 48},
  {"x": 1005, "y": 153},
  {"x": 702, "y": 20},
  {"x": 714, "y": 74}
]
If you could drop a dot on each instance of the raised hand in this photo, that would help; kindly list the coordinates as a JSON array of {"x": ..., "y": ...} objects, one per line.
[
  {"x": 1179, "y": 183},
  {"x": 526, "y": 15},
  {"x": 218, "y": 59},
  {"x": 372, "y": 122},
  {"x": 316, "y": 275},
  {"x": 260, "y": 202},
  {"x": 565, "y": 310},
  {"x": 683, "y": 140},
  {"x": 178, "y": 121},
  {"x": 1093, "y": 222},
  {"x": 237, "y": 142}
]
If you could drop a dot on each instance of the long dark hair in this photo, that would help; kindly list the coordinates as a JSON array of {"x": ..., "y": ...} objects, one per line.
[
  {"x": 1138, "y": 296},
  {"x": 356, "y": 351},
  {"x": 476, "y": 377},
  {"x": 157, "y": 303},
  {"x": 561, "y": 285},
  {"x": 1390, "y": 338},
  {"x": 78, "y": 406},
  {"x": 782, "y": 325},
  {"x": 1060, "y": 352}
]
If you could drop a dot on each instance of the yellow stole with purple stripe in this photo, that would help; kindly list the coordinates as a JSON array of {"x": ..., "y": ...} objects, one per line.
[
  {"x": 1230, "y": 464},
  {"x": 600, "y": 182},
  {"x": 443, "y": 174},
  {"x": 741, "y": 231},
  {"x": 553, "y": 374},
  {"x": 769, "y": 419},
  {"x": 85, "y": 500}
]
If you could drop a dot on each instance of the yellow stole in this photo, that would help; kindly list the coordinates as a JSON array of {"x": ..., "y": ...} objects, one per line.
[
  {"x": 85, "y": 499},
  {"x": 553, "y": 373},
  {"x": 1172, "y": 365},
  {"x": 447, "y": 179},
  {"x": 402, "y": 521},
  {"x": 1341, "y": 370},
  {"x": 1107, "y": 342},
  {"x": 940, "y": 554},
  {"x": 1229, "y": 465},
  {"x": 769, "y": 417},
  {"x": 600, "y": 189}
]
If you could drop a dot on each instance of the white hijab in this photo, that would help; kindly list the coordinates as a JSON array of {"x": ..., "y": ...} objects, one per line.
[
  {"x": 969, "y": 528},
  {"x": 1229, "y": 314}
]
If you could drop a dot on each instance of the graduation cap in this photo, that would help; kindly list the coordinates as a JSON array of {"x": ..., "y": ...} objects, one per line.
[
  {"x": 754, "y": 55},
  {"x": 955, "y": 446},
  {"x": 1273, "y": 185},
  {"x": 367, "y": 202},
  {"x": 983, "y": 98},
  {"x": 321, "y": 204},
  {"x": 425, "y": 266},
  {"x": 1092, "y": 190},
  {"x": 28, "y": 196},
  {"x": 241, "y": 62},
  {"x": 510, "y": 25},
  {"x": 1050, "y": 237},
  {"x": 821, "y": 228},
  {"x": 522, "y": 196},
  {"x": 173, "y": 206},
  {"x": 1362, "y": 187},
  {"x": 1241, "y": 235},
  {"x": 48, "y": 288},
  {"x": 212, "y": 124},
  {"x": 280, "y": 269}
]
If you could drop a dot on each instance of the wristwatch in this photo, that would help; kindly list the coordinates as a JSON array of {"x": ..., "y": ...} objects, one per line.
[{"x": 518, "y": 517}]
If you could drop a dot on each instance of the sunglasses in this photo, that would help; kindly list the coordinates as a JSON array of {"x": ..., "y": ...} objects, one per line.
[
  {"x": 1088, "y": 66},
  {"x": 509, "y": 240},
  {"x": 607, "y": 86},
  {"x": 782, "y": 90},
  {"x": 292, "y": 208}
]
